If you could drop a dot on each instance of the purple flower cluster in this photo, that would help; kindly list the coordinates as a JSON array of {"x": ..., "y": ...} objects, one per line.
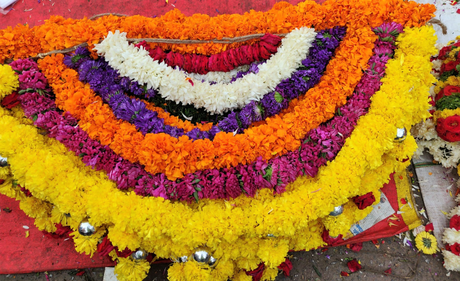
[{"x": 319, "y": 146}]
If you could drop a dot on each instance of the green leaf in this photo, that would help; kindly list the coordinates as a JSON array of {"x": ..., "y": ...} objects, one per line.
[
  {"x": 339, "y": 113},
  {"x": 80, "y": 145},
  {"x": 34, "y": 117},
  {"x": 268, "y": 173},
  {"x": 82, "y": 154},
  {"x": 306, "y": 78},
  {"x": 198, "y": 188},
  {"x": 77, "y": 58},
  {"x": 387, "y": 39},
  {"x": 394, "y": 33},
  {"x": 458, "y": 67},
  {"x": 279, "y": 98},
  {"x": 448, "y": 102},
  {"x": 195, "y": 194},
  {"x": 196, "y": 181}
]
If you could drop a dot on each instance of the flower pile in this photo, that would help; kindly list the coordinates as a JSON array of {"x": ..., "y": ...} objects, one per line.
[{"x": 85, "y": 140}]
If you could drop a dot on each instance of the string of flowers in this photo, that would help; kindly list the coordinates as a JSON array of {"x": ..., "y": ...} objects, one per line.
[
  {"x": 160, "y": 153},
  {"x": 174, "y": 85},
  {"x": 106, "y": 82},
  {"x": 222, "y": 62},
  {"x": 320, "y": 145},
  {"x": 59, "y": 33},
  {"x": 362, "y": 166}
]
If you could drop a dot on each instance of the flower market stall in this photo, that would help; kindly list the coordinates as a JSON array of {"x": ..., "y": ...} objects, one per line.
[{"x": 221, "y": 142}]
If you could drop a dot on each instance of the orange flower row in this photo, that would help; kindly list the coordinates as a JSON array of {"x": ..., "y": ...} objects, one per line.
[
  {"x": 161, "y": 153},
  {"x": 60, "y": 33}
]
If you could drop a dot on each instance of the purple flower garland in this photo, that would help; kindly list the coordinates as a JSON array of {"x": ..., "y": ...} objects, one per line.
[
  {"x": 320, "y": 145},
  {"x": 106, "y": 82}
]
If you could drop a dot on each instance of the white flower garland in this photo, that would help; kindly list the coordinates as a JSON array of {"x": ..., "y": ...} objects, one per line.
[
  {"x": 175, "y": 85},
  {"x": 218, "y": 76}
]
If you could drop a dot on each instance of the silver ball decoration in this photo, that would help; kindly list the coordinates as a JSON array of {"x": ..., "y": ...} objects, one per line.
[
  {"x": 3, "y": 161},
  {"x": 201, "y": 256},
  {"x": 212, "y": 261},
  {"x": 401, "y": 134},
  {"x": 337, "y": 211},
  {"x": 270, "y": 235},
  {"x": 139, "y": 255},
  {"x": 86, "y": 229},
  {"x": 181, "y": 259}
]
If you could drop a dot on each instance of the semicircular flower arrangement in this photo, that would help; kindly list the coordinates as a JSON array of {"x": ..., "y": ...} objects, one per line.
[{"x": 289, "y": 130}]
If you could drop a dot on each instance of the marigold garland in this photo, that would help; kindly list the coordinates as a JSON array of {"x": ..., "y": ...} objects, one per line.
[
  {"x": 363, "y": 165},
  {"x": 59, "y": 33},
  {"x": 164, "y": 154}
]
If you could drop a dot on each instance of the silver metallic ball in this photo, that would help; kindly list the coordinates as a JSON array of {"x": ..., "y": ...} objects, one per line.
[
  {"x": 86, "y": 229},
  {"x": 401, "y": 134},
  {"x": 201, "y": 256},
  {"x": 337, "y": 211},
  {"x": 139, "y": 255},
  {"x": 181, "y": 259},
  {"x": 212, "y": 261},
  {"x": 3, "y": 161},
  {"x": 270, "y": 235}
]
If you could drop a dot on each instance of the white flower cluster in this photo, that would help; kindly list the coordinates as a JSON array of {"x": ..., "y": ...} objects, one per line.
[
  {"x": 218, "y": 76},
  {"x": 175, "y": 85}
]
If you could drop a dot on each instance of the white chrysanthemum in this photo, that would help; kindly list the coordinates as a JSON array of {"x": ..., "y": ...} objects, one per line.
[
  {"x": 451, "y": 261},
  {"x": 451, "y": 236},
  {"x": 218, "y": 76},
  {"x": 172, "y": 84},
  {"x": 454, "y": 211}
]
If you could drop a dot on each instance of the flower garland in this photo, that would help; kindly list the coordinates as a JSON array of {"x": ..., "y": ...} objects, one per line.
[
  {"x": 104, "y": 81},
  {"x": 59, "y": 33},
  {"x": 368, "y": 154},
  {"x": 451, "y": 238},
  {"x": 217, "y": 98},
  {"x": 321, "y": 145},
  {"x": 222, "y": 62},
  {"x": 174, "y": 157}
]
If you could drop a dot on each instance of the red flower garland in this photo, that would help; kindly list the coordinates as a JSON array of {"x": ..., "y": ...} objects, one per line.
[
  {"x": 224, "y": 61},
  {"x": 447, "y": 91},
  {"x": 449, "y": 129}
]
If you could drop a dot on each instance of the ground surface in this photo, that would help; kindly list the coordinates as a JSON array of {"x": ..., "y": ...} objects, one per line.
[{"x": 406, "y": 264}]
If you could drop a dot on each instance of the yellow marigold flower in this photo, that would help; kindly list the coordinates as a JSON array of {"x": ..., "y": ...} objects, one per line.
[
  {"x": 8, "y": 80},
  {"x": 426, "y": 243}
]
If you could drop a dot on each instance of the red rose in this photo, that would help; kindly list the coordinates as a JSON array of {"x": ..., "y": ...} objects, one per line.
[
  {"x": 455, "y": 248},
  {"x": 11, "y": 101},
  {"x": 286, "y": 267},
  {"x": 448, "y": 129},
  {"x": 257, "y": 273},
  {"x": 354, "y": 265},
  {"x": 455, "y": 222},
  {"x": 444, "y": 51},
  {"x": 356, "y": 247},
  {"x": 364, "y": 201},
  {"x": 447, "y": 91},
  {"x": 448, "y": 66}
]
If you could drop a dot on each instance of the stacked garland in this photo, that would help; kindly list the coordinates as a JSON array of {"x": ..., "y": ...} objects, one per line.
[
  {"x": 441, "y": 136},
  {"x": 311, "y": 134}
]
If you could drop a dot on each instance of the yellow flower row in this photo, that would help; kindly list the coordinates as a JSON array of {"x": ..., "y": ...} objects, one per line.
[{"x": 236, "y": 230}]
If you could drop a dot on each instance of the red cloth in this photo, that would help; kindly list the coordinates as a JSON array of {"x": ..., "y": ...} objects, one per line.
[{"x": 37, "y": 252}]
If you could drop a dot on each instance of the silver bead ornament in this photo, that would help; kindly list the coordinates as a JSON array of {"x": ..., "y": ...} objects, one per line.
[
  {"x": 3, "y": 161},
  {"x": 270, "y": 235},
  {"x": 212, "y": 261},
  {"x": 86, "y": 229},
  {"x": 401, "y": 134},
  {"x": 337, "y": 211},
  {"x": 201, "y": 256},
  {"x": 139, "y": 255}
]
